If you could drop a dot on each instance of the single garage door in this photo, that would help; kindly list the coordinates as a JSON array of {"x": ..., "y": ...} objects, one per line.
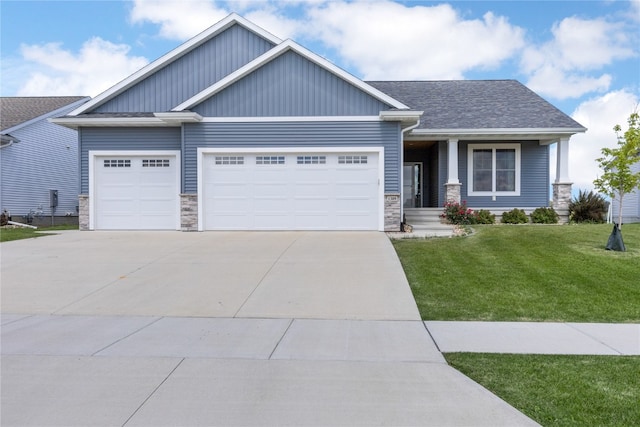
[
  {"x": 290, "y": 191},
  {"x": 136, "y": 192}
]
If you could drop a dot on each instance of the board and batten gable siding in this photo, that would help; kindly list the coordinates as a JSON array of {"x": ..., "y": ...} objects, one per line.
[
  {"x": 534, "y": 178},
  {"x": 191, "y": 73},
  {"x": 46, "y": 158},
  {"x": 123, "y": 139},
  {"x": 319, "y": 134},
  {"x": 290, "y": 85}
]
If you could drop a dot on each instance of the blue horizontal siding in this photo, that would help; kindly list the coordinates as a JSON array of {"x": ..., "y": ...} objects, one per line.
[
  {"x": 191, "y": 73},
  {"x": 534, "y": 178},
  {"x": 293, "y": 134},
  {"x": 290, "y": 85},
  {"x": 123, "y": 139},
  {"x": 45, "y": 158}
]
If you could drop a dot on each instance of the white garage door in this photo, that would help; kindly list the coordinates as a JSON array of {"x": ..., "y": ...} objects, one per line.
[
  {"x": 136, "y": 192},
  {"x": 290, "y": 191}
]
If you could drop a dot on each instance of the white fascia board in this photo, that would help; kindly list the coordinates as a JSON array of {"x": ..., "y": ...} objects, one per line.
[
  {"x": 273, "y": 54},
  {"x": 395, "y": 115},
  {"x": 75, "y": 123},
  {"x": 514, "y": 131},
  {"x": 160, "y": 119},
  {"x": 173, "y": 55},
  {"x": 273, "y": 119},
  {"x": 178, "y": 117},
  {"x": 547, "y": 134}
]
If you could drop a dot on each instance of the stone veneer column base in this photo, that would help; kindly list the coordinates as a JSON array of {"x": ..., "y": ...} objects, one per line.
[
  {"x": 188, "y": 212},
  {"x": 561, "y": 200},
  {"x": 452, "y": 192},
  {"x": 83, "y": 212},
  {"x": 392, "y": 218}
]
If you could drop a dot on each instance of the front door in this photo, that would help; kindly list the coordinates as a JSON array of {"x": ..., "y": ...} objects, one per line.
[{"x": 412, "y": 185}]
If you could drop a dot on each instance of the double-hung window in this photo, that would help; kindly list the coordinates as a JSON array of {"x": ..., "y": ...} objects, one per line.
[{"x": 494, "y": 169}]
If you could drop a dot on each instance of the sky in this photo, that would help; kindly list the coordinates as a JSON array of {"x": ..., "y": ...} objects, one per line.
[{"x": 581, "y": 56}]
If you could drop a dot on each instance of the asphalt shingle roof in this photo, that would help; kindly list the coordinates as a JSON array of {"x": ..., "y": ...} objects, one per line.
[
  {"x": 17, "y": 110},
  {"x": 476, "y": 104}
]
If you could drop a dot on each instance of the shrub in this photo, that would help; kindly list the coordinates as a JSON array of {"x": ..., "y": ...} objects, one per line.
[
  {"x": 588, "y": 207},
  {"x": 544, "y": 216},
  {"x": 484, "y": 217},
  {"x": 515, "y": 216},
  {"x": 456, "y": 213}
]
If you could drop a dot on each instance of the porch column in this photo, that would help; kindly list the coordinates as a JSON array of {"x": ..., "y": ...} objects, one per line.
[
  {"x": 453, "y": 183},
  {"x": 562, "y": 183}
]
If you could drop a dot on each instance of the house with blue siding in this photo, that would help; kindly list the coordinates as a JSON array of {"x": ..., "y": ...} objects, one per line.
[
  {"x": 36, "y": 157},
  {"x": 237, "y": 129}
]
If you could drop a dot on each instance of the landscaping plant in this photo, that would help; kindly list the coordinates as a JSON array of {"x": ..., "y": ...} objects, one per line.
[
  {"x": 458, "y": 213},
  {"x": 544, "y": 216},
  {"x": 617, "y": 178},
  {"x": 515, "y": 216},
  {"x": 483, "y": 216},
  {"x": 588, "y": 207}
]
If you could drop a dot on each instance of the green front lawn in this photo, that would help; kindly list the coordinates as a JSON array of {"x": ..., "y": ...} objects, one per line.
[
  {"x": 8, "y": 234},
  {"x": 560, "y": 390},
  {"x": 526, "y": 273}
]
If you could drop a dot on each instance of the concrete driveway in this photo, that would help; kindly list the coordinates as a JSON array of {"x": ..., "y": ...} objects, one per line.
[
  {"x": 247, "y": 329},
  {"x": 232, "y": 274}
]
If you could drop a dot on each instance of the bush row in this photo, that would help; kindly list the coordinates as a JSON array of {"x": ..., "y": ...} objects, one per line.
[{"x": 459, "y": 213}]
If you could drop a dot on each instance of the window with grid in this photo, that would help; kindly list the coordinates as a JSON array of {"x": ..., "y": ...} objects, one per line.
[
  {"x": 155, "y": 163},
  {"x": 117, "y": 163},
  {"x": 229, "y": 160},
  {"x": 494, "y": 169},
  {"x": 312, "y": 160},
  {"x": 352, "y": 160},
  {"x": 269, "y": 160}
]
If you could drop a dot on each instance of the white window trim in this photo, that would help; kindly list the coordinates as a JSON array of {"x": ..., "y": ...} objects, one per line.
[
  {"x": 493, "y": 147},
  {"x": 129, "y": 153},
  {"x": 290, "y": 150}
]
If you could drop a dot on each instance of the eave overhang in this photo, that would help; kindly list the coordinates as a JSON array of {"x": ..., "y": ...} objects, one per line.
[
  {"x": 544, "y": 135},
  {"x": 407, "y": 118},
  {"x": 170, "y": 119}
]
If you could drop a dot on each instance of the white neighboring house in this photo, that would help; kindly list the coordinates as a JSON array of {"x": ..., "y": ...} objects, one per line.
[
  {"x": 630, "y": 204},
  {"x": 37, "y": 156}
]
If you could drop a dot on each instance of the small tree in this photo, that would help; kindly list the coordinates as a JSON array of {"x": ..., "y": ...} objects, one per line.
[{"x": 617, "y": 178}]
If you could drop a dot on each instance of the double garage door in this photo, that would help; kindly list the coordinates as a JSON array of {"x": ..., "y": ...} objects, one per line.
[
  {"x": 241, "y": 191},
  {"x": 290, "y": 191}
]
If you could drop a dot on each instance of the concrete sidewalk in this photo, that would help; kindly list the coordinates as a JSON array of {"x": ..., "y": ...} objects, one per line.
[
  {"x": 167, "y": 371},
  {"x": 536, "y": 337}
]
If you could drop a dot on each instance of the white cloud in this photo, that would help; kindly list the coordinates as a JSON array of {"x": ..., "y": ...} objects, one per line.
[
  {"x": 388, "y": 40},
  {"x": 599, "y": 115},
  {"x": 560, "y": 68},
  {"x": 97, "y": 66},
  {"x": 180, "y": 19}
]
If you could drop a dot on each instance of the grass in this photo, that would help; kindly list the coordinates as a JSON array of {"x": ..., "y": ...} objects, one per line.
[
  {"x": 537, "y": 273},
  {"x": 9, "y": 234},
  {"x": 560, "y": 390},
  {"x": 526, "y": 273}
]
